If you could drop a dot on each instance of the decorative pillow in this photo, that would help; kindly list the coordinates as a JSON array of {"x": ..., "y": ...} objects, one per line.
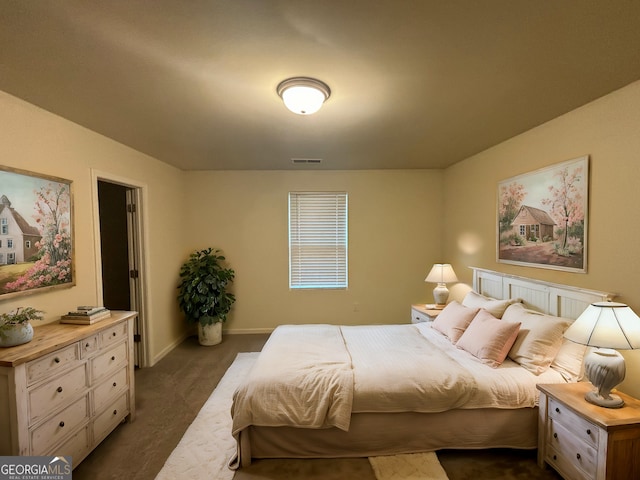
[
  {"x": 493, "y": 306},
  {"x": 539, "y": 339},
  {"x": 568, "y": 361},
  {"x": 488, "y": 338},
  {"x": 454, "y": 320}
]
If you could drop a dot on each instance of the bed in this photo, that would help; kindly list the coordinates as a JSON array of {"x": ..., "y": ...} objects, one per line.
[{"x": 466, "y": 380}]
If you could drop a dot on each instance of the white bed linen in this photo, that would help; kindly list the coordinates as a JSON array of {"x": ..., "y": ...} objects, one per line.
[
  {"x": 316, "y": 376},
  {"x": 507, "y": 386}
]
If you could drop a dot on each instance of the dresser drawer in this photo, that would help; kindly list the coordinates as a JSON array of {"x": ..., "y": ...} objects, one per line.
[
  {"x": 110, "y": 418},
  {"x": 109, "y": 361},
  {"x": 568, "y": 448},
  {"x": 567, "y": 468},
  {"x": 106, "y": 391},
  {"x": 581, "y": 428},
  {"x": 88, "y": 346},
  {"x": 56, "y": 392},
  {"x": 113, "y": 335},
  {"x": 59, "y": 426},
  {"x": 52, "y": 364},
  {"x": 77, "y": 446}
]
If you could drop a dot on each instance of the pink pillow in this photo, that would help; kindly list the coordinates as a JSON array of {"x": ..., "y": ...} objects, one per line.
[
  {"x": 454, "y": 320},
  {"x": 488, "y": 338}
]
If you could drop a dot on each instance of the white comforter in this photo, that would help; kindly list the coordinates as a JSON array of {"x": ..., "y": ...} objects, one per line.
[{"x": 316, "y": 376}]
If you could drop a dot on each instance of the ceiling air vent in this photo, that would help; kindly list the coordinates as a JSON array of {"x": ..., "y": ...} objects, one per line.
[{"x": 306, "y": 161}]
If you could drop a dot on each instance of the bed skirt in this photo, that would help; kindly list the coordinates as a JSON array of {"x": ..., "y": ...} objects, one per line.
[{"x": 373, "y": 434}]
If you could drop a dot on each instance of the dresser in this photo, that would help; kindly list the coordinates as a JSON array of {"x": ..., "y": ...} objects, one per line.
[
  {"x": 584, "y": 441},
  {"x": 67, "y": 389},
  {"x": 420, "y": 313}
]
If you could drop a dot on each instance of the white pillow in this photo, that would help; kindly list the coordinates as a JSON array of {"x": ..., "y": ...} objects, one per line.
[
  {"x": 454, "y": 320},
  {"x": 568, "y": 361},
  {"x": 493, "y": 306},
  {"x": 488, "y": 338},
  {"x": 539, "y": 339}
]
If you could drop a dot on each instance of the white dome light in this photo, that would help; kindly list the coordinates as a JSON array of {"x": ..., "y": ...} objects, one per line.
[{"x": 303, "y": 95}]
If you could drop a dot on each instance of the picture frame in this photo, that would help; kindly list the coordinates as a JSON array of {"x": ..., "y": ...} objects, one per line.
[
  {"x": 36, "y": 233},
  {"x": 543, "y": 217}
]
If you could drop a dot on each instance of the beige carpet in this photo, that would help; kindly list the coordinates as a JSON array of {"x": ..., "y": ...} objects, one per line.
[{"x": 207, "y": 445}]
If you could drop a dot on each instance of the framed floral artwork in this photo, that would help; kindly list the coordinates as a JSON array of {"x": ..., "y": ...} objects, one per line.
[
  {"x": 542, "y": 217},
  {"x": 36, "y": 232}
]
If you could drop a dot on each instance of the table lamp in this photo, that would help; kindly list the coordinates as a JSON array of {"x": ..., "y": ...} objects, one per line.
[
  {"x": 441, "y": 273},
  {"x": 607, "y": 326}
]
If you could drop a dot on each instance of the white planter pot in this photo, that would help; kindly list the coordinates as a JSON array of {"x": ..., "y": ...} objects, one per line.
[
  {"x": 210, "y": 334},
  {"x": 12, "y": 335}
]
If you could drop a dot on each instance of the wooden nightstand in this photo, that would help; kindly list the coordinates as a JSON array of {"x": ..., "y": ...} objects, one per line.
[
  {"x": 585, "y": 441},
  {"x": 419, "y": 313}
]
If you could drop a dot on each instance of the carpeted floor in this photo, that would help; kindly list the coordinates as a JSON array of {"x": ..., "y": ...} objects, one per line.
[{"x": 170, "y": 395}]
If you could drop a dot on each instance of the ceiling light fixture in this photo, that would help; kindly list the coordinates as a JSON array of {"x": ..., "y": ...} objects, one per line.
[{"x": 303, "y": 95}]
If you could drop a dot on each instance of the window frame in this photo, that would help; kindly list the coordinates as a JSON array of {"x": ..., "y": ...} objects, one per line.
[{"x": 314, "y": 247}]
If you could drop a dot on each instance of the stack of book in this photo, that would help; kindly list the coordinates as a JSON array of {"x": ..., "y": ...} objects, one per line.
[{"x": 86, "y": 315}]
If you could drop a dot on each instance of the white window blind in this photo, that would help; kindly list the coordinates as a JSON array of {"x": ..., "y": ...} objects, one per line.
[{"x": 318, "y": 240}]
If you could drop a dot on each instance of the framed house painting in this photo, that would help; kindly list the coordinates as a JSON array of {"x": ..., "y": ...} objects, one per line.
[
  {"x": 542, "y": 217},
  {"x": 36, "y": 232}
]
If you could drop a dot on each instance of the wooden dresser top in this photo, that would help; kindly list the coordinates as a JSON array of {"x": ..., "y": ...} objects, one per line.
[{"x": 52, "y": 336}]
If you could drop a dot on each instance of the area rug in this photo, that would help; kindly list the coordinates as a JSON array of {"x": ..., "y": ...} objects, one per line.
[
  {"x": 207, "y": 445},
  {"x": 412, "y": 466}
]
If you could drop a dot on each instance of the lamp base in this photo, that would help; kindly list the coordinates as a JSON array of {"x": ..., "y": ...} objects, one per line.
[
  {"x": 614, "y": 401},
  {"x": 440, "y": 295},
  {"x": 605, "y": 369}
]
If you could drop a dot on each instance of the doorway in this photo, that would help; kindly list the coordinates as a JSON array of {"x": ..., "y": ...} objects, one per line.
[{"x": 120, "y": 240}]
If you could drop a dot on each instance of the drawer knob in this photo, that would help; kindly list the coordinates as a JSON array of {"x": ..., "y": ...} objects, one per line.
[
  {"x": 588, "y": 431},
  {"x": 578, "y": 456},
  {"x": 56, "y": 359},
  {"x": 555, "y": 457},
  {"x": 113, "y": 358},
  {"x": 61, "y": 424},
  {"x": 114, "y": 334},
  {"x": 114, "y": 384},
  {"x": 115, "y": 412},
  {"x": 555, "y": 435},
  {"x": 87, "y": 345},
  {"x": 59, "y": 389},
  {"x": 557, "y": 410}
]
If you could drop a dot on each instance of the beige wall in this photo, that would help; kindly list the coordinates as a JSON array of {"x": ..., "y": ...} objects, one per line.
[
  {"x": 394, "y": 237},
  {"x": 395, "y": 230},
  {"x": 608, "y": 130},
  {"x": 35, "y": 140}
]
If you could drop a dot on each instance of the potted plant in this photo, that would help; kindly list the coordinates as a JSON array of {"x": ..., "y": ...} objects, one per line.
[
  {"x": 203, "y": 296},
  {"x": 15, "y": 326}
]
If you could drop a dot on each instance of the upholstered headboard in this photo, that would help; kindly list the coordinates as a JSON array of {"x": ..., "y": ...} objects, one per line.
[{"x": 554, "y": 299}]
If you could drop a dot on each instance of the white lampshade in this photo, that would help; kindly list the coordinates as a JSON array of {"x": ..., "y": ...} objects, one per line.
[
  {"x": 441, "y": 273},
  {"x": 607, "y": 326},
  {"x": 303, "y": 95}
]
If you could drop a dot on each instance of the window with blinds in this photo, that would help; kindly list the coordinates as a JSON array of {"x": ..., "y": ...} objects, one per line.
[{"x": 318, "y": 240}]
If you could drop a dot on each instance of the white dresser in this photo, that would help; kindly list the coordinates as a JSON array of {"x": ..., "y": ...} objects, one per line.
[
  {"x": 67, "y": 389},
  {"x": 582, "y": 441}
]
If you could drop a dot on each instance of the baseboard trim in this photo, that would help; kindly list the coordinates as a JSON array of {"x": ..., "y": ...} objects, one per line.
[
  {"x": 164, "y": 352},
  {"x": 246, "y": 331}
]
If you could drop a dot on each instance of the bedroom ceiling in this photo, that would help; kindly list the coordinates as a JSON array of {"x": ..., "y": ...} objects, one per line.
[{"x": 415, "y": 84}]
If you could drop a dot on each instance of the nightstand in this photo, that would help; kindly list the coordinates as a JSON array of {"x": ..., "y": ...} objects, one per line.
[
  {"x": 419, "y": 313},
  {"x": 584, "y": 441}
]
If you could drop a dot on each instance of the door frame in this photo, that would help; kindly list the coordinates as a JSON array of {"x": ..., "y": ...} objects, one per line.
[{"x": 141, "y": 246}]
